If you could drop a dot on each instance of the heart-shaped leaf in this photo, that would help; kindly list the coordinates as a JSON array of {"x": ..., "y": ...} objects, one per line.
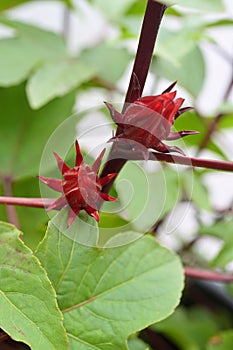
[{"x": 108, "y": 294}]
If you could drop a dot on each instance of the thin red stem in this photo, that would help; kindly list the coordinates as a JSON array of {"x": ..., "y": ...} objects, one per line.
[
  {"x": 194, "y": 162},
  {"x": 207, "y": 275},
  {"x": 175, "y": 159},
  {"x": 150, "y": 27},
  {"x": 27, "y": 202}
]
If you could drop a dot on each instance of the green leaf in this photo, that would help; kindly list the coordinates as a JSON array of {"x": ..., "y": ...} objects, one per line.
[
  {"x": 16, "y": 61},
  {"x": 205, "y": 5},
  {"x": 227, "y": 120},
  {"x": 147, "y": 197},
  {"x": 29, "y": 311},
  {"x": 192, "y": 121},
  {"x": 108, "y": 294},
  {"x": 190, "y": 72},
  {"x": 196, "y": 190},
  {"x": 47, "y": 45},
  {"x": 221, "y": 341},
  {"x": 21, "y": 54},
  {"x": 113, "y": 9},
  {"x": 188, "y": 328},
  {"x": 25, "y": 132},
  {"x": 222, "y": 229},
  {"x": 56, "y": 80},
  {"x": 137, "y": 344},
  {"x": 180, "y": 43},
  {"x": 109, "y": 62},
  {"x": 7, "y": 4}
]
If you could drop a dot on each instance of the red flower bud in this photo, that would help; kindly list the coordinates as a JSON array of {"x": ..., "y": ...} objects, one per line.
[
  {"x": 148, "y": 121},
  {"x": 81, "y": 187}
]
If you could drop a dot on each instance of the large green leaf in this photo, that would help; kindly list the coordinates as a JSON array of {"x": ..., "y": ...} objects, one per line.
[
  {"x": 24, "y": 132},
  {"x": 29, "y": 311},
  {"x": 55, "y": 80},
  {"x": 108, "y": 294},
  {"x": 221, "y": 341},
  {"x": 206, "y": 5}
]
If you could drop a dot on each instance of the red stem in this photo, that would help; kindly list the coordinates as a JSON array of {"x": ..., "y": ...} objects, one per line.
[
  {"x": 176, "y": 159},
  {"x": 27, "y": 202},
  {"x": 150, "y": 27},
  {"x": 207, "y": 275},
  {"x": 194, "y": 162}
]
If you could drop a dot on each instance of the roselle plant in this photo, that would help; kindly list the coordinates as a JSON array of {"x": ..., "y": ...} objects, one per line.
[{"x": 88, "y": 269}]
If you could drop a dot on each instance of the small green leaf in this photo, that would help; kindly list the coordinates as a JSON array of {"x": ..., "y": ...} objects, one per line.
[
  {"x": 221, "y": 341},
  {"x": 190, "y": 72},
  {"x": 204, "y": 5},
  {"x": 108, "y": 294},
  {"x": 55, "y": 80},
  {"x": 45, "y": 44},
  {"x": 29, "y": 311},
  {"x": 109, "y": 62},
  {"x": 180, "y": 43},
  {"x": 23, "y": 53}
]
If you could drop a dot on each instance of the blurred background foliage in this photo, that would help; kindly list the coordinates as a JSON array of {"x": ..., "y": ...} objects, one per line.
[{"x": 44, "y": 78}]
